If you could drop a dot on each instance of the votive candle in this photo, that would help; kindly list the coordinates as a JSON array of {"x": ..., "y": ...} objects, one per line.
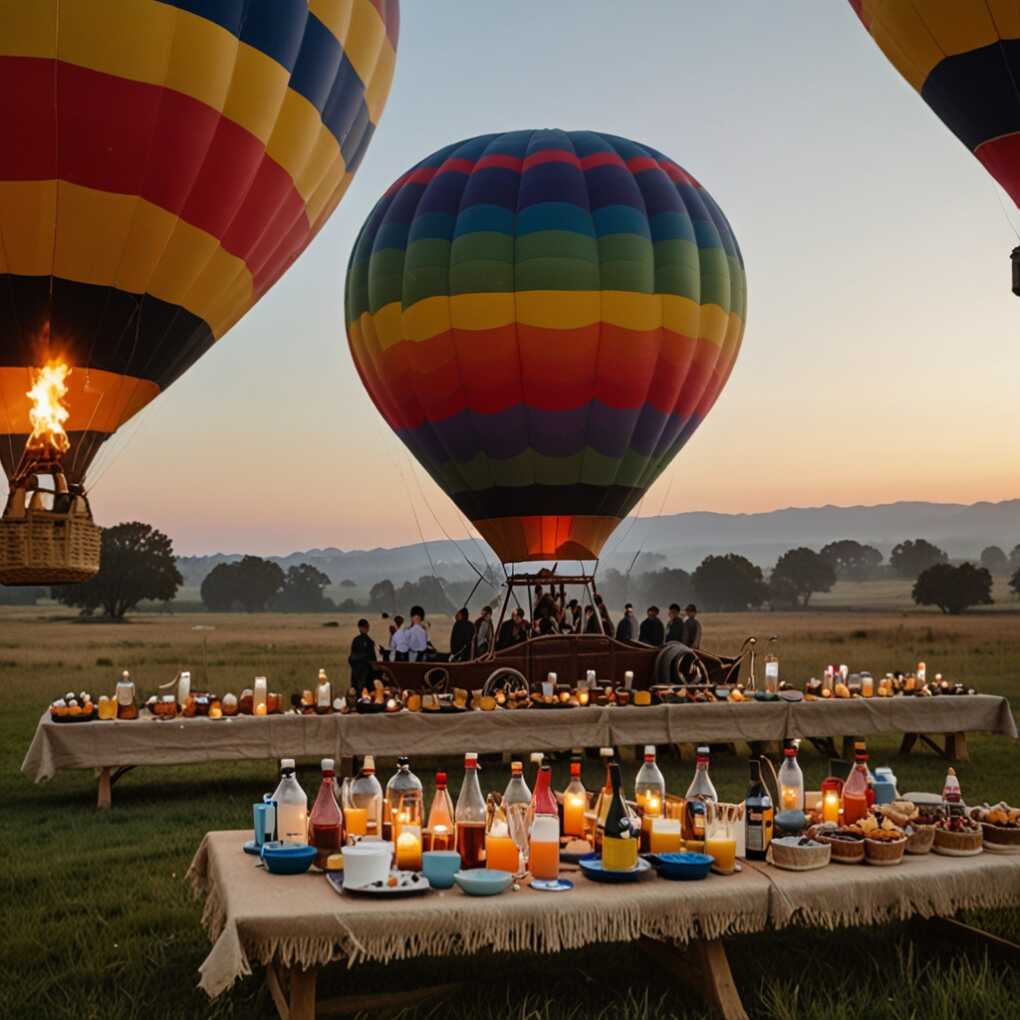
[
  {"x": 830, "y": 806},
  {"x": 356, "y": 821},
  {"x": 409, "y": 848},
  {"x": 574, "y": 807}
]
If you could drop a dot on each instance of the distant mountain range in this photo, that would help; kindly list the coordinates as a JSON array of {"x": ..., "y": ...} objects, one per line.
[{"x": 685, "y": 539}]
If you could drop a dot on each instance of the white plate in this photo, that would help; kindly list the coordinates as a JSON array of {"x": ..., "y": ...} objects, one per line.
[{"x": 406, "y": 885}]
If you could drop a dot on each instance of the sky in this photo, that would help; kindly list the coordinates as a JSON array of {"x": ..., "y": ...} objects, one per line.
[{"x": 880, "y": 360}]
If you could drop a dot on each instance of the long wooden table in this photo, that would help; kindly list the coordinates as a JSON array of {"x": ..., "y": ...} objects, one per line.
[
  {"x": 294, "y": 925},
  {"x": 113, "y": 747}
]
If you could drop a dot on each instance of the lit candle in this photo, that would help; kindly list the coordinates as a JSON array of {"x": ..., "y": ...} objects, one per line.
[
  {"x": 666, "y": 836},
  {"x": 215, "y": 710},
  {"x": 830, "y": 806},
  {"x": 501, "y": 854},
  {"x": 259, "y": 696},
  {"x": 409, "y": 848},
  {"x": 790, "y": 798},
  {"x": 582, "y": 696},
  {"x": 356, "y": 820},
  {"x": 260, "y": 708},
  {"x": 867, "y": 686},
  {"x": 628, "y": 678},
  {"x": 574, "y": 807},
  {"x": 441, "y": 838}
]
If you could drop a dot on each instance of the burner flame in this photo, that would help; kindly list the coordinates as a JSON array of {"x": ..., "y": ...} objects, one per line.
[{"x": 48, "y": 414}]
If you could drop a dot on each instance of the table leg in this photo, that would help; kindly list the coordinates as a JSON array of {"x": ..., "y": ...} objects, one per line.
[
  {"x": 704, "y": 967},
  {"x": 956, "y": 747},
  {"x": 105, "y": 789},
  {"x": 302, "y": 994},
  {"x": 907, "y": 743}
]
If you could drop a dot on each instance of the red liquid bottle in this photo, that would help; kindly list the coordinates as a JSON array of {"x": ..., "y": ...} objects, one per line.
[
  {"x": 470, "y": 816},
  {"x": 325, "y": 824},
  {"x": 857, "y": 795}
]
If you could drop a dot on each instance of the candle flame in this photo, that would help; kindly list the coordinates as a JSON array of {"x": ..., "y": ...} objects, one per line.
[{"x": 48, "y": 414}]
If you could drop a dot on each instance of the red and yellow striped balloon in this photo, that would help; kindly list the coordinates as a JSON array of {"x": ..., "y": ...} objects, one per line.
[{"x": 165, "y": 161}]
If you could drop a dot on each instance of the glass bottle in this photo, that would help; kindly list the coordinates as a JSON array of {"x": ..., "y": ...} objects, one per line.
[
  {"x": 772, "y": 673},
  {"x": 442, "y": 835},
  {"x": 855, "y": 790},
  {"x": 700, "y": 790},
  {"x": 791, "y": 782},
  {"x": 367, "y": 797},
  {"x": 517, "y": 805},
  {"x": 758, "y": 816},
  {"x": 127, "y": 707},
  {"x": 291, "y": 806},
  {"x": 951, "y": 792},
  {"x": 650, "y": 794},
  {"x": 575, "y": 802},
  {"x": 619, "y": 841},
  {"x": 323, "y": 694},
  {"x": 325, "y": 824},
  {"x": 404, "y": 797},
  {"x": 544, "y": 856},
  {"x": 606, "y": 792},
  {"x": 470, "y": 816}
]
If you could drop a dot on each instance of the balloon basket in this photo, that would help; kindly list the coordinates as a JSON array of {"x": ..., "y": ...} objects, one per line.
[{"x": 44, "y": 545}]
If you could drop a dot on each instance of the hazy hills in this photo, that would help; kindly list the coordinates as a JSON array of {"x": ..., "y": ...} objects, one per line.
[{"x": 685, "y": 539}]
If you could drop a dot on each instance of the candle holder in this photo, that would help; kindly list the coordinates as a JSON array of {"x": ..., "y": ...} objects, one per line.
[{"x": 408, "y": 848}]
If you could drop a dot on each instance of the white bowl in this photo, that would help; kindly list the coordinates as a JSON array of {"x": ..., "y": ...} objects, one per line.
[{"x": 367, "y": 862}]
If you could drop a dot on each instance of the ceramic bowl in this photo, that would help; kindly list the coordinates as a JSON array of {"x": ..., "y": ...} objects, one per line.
[
  {"x": 483, "y": 881},
  {"x": 440, "y": 866},
  {"x": 367, "y": 862},
  {"x": 791, "y": 822},
  {"x": 287, "y": 858},
  {"x": 686, "y": 866}
]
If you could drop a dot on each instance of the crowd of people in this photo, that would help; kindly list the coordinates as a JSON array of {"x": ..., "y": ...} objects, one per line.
[{"x": 552, "y": 613}]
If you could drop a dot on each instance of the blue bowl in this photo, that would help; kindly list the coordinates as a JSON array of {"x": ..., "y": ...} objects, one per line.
[
  {"x": 287, "y": 858},
  {"x": 684, "y": 867},
  {"x": 483, "y": 881},
  {"x": 440, "y": 866}
]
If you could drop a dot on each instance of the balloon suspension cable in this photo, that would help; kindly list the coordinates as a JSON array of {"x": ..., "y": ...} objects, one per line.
[
  {"x": 662, "y": 506},
  {"x": 421, "y": 534}
]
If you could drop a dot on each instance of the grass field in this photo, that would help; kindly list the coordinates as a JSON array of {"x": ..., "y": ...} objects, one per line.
[{"x": 99, "y": 923}]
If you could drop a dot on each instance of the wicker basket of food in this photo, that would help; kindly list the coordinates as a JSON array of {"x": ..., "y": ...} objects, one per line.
[
  {"x": 920, "y": 838},
  {"x": 958, "y": 837},
  {"x": 846, "y": 847},
  {"x": 1000, "y": 828},
  {"x": 885, "y": 847},
  {"x": 42, "y": 545},
  {"x": 794, "y": 853}
]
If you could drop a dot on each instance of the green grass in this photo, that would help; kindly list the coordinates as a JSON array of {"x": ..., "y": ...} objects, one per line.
[{"x": 99, "y": 923}]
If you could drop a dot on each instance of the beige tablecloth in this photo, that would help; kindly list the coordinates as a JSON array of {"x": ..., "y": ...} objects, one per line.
[
  {"x": 252, "y": 916},
  {"x": 148, "y": 741}
]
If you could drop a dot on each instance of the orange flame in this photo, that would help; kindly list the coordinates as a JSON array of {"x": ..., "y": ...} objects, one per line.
[{"x": 48, "y": 414}]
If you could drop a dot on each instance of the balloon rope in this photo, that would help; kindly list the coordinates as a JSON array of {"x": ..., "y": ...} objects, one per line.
[{"x": 421, "y": 534}]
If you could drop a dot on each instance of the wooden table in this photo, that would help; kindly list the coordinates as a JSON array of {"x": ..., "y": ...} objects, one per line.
[
  {"x": 113, "y": 747},
  {"x": 295, "y": 925}
]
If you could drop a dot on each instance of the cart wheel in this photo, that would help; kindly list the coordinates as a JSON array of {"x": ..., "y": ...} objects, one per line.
[{"x": 507, "y": 679}]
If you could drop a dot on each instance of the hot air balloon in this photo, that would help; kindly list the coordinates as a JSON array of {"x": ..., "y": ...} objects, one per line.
[
  {"x": 544, "y": 318},
  {"x": 964, "y": 59},
  {"x": 165, "y": 161}
]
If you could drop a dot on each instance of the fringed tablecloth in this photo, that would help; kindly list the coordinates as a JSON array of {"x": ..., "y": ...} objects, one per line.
[
  {"x": 148, "y": 741},
  {"x": 254, "y": 917}
]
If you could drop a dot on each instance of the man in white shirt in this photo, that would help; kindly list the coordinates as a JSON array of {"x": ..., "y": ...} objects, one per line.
[
  {"x": 398, "y": 644},
  {"x": 417, "y": 636}
]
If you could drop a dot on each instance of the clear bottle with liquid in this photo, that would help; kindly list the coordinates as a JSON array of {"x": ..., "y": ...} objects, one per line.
[
  {"x": 404, "y": 797},
  {"x": 325, "y": 824},
  {"x": 544, "y": 850},
  {"x": 575, "y": 802},
  {"x": 366, "y": 796},
  {"x": 856, "y": 790},
  {"x": 791, "y": 782},
  {"x": 700, "y": 791},
  {"x": 517, "y": 805},
  {"x": 442, "y": 833},
  {"x": 650, "y": 794},
  {"x": 291, "y": 806},
  {"x": 470, "y": 816}
]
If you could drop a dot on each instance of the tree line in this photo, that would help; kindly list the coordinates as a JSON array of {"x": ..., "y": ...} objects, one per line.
[{"x": 138, "y": 564}]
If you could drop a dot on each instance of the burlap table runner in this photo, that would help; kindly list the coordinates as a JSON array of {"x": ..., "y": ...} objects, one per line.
[
  {"x": 927, "y": 885},
  {"x": 152, "y": 742},
  {"x": 252, "y": 916}
]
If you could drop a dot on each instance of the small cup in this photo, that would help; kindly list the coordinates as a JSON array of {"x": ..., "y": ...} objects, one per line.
[
  {"x": 264, "y": 815},
  {"x": 440, "y": 866}
]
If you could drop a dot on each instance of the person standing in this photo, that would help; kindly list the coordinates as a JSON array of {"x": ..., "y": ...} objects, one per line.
[
  {"x": 398, "y": 640},
  {"x": 607, "y": 623},
  {"x": 652, "y": 631},
  {"x": 592, "y": 623},
  {"x": 362, "y": 658},
  {"x": 483, "y": 633},
  {"x": 417, "y": 636},
  {"x": 461, "y": 636},
  {"x": 627, "y": 628},
  {"x": 513, "y": 631},
  {"x": 691, "y": 627},
  {"x": 675, "y": 627}
]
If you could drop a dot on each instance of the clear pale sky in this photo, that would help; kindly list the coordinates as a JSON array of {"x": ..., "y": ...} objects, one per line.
[{"x": 881, "y": 359}]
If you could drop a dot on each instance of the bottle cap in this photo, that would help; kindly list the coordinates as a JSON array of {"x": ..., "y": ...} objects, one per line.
[
  {"x": 575, "y": 768},
  {"x": 703, "y": 752},
  {"x": 790, "y": 752},
  {"x": 328, "y": 765},
  {"x": 471, "y": 759},
  {"x": 403, "y": 760},
  {"x": 286, "y": 763},
  {"x": 605, "y": 752},
  {"x": 440, "y": 779},
  {"x": 649, "y": 750},
  {"x": 369, "y": 763},
  {"x": 516, "y": 766},
  {"x": 322, "y": 674},
  {"x": 536, "y": 757}
]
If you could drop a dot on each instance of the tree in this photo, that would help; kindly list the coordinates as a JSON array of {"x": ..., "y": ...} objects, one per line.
[
  {"x": 994, "y": 560},
  {"x": 910, "y": 558},
  {"x": 137, "y": 562},
  {"x": 303, "y": 591},
  {"x": 729, "y": 583},
  {"x": 803, "y": 571},
  {"x": 1014, "y": 558},
  {"x": 383, "y": 597},
  {"x": 427, "y": 592},
  {"x": 250, "y": 583},
  {"x": 661, "y": 587},
  {"x": 348, "y": 583},
  {"x": 953, "y": 589},
  {"x": 1014, "y": 582},
  {"x": 851, "y": 560}
]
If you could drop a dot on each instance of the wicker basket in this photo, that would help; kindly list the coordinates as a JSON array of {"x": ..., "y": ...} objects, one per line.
[
  {"x": 958, "y": 844},
  {"x": 844, "y": 851},
  {"x": 920, "y": 840},
  {"x": 1000, "y": 835},
  {"x": 40, "y": 546},
  {"x": 884, "y": 851},
  {"x": 794, "y": 857}
]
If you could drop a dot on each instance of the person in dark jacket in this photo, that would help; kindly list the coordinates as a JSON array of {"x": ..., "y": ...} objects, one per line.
[
  {"x": 573, "y": 617},
  {"x": 627, "y": 628},
  {"x": 362, "y": 658},
  {"x": 592, "y": 623},
  {"x": 692, "y": 627},
  {"x": 513, "y": 631},
  {"x": 461, "y": 636},
  {"x": 483, "y": 634},
  {"x": 652, "y": 631},
  {"x": 607, "y": 624},
  {"x": 675, "y": 627}
]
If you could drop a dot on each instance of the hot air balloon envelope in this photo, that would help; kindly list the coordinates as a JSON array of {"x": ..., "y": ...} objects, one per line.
[{"x": 544, "y": 318}]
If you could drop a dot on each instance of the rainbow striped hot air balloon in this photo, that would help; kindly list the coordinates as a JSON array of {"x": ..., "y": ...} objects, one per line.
[
  {"x": 164, "y": 162},
  {"x": 544, "y": 318}
]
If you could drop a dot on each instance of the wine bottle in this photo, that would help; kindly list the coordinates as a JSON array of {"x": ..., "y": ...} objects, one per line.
[
  {"x": 758, "y": 816},
  {"x": 619, "y": 841},
  {"x": 325, "y": 824},
  {"x": 470, "y": 816}
]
